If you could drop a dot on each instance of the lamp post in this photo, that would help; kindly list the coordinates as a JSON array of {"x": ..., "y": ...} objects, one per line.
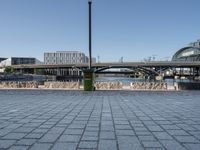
[
  {"x": 89, "y": 73},
  {"x": 90, "y": 33}
]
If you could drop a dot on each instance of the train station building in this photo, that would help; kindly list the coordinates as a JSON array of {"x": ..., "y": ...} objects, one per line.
[{"x": 189, "y": 53}]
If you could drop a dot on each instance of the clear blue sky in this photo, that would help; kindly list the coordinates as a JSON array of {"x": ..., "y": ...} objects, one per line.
[{"x": 132, "y": 29}]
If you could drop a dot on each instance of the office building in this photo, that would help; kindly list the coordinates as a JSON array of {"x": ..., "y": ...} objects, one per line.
[
  {"x": 2, "y": 59},
  {"x": 65, "y": 57},
  {"x": 19, "y": 61}
]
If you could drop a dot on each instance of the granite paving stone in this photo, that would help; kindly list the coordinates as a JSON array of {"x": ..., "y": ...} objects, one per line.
[
  {"x": 90, "y": 133},
  {"x": 99, "y": 120},
  {"x": 143, "y": 133},
  {"x": 92, "y": 129},
  {"x": 49, "y": 138},
  {"x": 26, "y": 142},
  {"x": 146, "y": 138},
  {"x": 121, "y": 127},
  {"x": 88, "y": 144},
  {"x": 56, "y": 130},
  {"x": 192, "y": 146},
  {"x": 34, "y": 135},
  {"x": 107, "y": 135},
  {"x": 4, "y": 131},
  {"x": 172, "y": 145},
  {"x": 15, "y": 136},
  {"x": 143, "y": 129},
  {"x": 76, "y": 126},
  {"x": 127, "y": 143},
  {"x": 6, "y": 143},
  {"x": 151, "y": 144},
  {"x": 162, "y": 136},
  {"x": 41, "y": 146},
  {"x": 64, "y": 146},
  {"x": 107, "y": 128},
  {"x": 23, "y": 130},
  {"x": 186, "y": 127},
  {"x": 84, "y": 149},
  {"x": 40, "y": 130},
  {"x": 154, "y": 128},
  {"x": 69, "y": 138},
  {"x": 178, "y": 132},
  {"x": 170, "y": 127},
  {"x": 187, "y": 139},
  {"x": 125, "y": 132},
  {"x": 73, "y": 131},
  {"x": 18, "y": 148},
  {"x": 107, "y": 145},
  {"x": 89, "y": 138},
  {"x": 155, "y": 148},
  {"x": 46, "y": 126}
]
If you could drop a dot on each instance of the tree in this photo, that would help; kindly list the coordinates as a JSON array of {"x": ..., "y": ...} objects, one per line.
[{"x": 9, "y": 70}]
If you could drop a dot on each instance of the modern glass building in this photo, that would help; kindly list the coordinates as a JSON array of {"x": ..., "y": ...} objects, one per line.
[
  {"x": 190, "y": 53},
  {"x": 2, "y": 59},
  {"x": 18, "y": 61},
  {"x": 22, "y": 60}
]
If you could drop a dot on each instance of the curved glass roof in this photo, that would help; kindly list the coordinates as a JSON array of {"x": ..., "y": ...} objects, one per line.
[{"x": 186, "y": 52}]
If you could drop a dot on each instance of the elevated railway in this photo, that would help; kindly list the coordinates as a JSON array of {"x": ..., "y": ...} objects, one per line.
[
  {"x": 175, "y": 64},
  {"x": 153, "y": 68}
]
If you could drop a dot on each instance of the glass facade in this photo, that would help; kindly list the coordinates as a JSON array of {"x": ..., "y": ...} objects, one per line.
[
  {"x": 2, "y": 59},
  {"x": 22, "y": 60},
  {"x": 187, "y": 54}
]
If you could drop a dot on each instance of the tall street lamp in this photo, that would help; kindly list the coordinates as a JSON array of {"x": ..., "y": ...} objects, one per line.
[
  {"x": 90, "y": 33},
  {"x": 89, "y": 73}
]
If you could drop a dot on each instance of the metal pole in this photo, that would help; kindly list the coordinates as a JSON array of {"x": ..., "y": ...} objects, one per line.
[{"x": 90, "y": 34}]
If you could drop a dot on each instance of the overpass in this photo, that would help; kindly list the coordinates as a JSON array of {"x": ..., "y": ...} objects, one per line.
[
  {"x": 152, "y": 68},
  {"x": 175, "y": 64}
]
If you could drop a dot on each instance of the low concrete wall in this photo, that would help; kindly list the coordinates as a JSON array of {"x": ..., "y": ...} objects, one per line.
[
  {"x": 27, "y": 84},
  {"x": 188, "y": 86},
  {"x": 108, "y": 85},
  {"x": 63, "y": 85},
  {"x": 149, "y": 85},
  {"x": 98, "y": 85}
]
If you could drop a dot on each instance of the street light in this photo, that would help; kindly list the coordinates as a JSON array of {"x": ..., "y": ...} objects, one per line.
[
  {"x": 89, "y": 73},
  {"x": 90, "y": 33}
]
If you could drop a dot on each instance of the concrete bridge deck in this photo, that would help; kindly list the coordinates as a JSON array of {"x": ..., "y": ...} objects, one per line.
[{"x": 114, "y": 65}]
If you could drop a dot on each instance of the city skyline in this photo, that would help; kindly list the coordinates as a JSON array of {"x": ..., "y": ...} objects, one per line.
[{"x": 130, "y": 29}]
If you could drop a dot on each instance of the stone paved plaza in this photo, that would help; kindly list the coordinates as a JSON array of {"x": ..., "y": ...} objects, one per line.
[{"x": 103, "y": 120}]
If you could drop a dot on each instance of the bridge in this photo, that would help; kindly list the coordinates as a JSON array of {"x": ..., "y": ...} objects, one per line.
[
  {"x": 153, "y": 68},
  {"x": 176, "y": 64}
]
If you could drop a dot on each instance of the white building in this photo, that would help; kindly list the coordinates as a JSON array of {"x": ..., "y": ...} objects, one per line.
[
  {"x": 65, "y": 57},
  {"x": 5, "y": 63}
]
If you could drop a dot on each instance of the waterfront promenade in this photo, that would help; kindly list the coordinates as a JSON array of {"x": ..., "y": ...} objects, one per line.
[{"x": 103, "y": 120}]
